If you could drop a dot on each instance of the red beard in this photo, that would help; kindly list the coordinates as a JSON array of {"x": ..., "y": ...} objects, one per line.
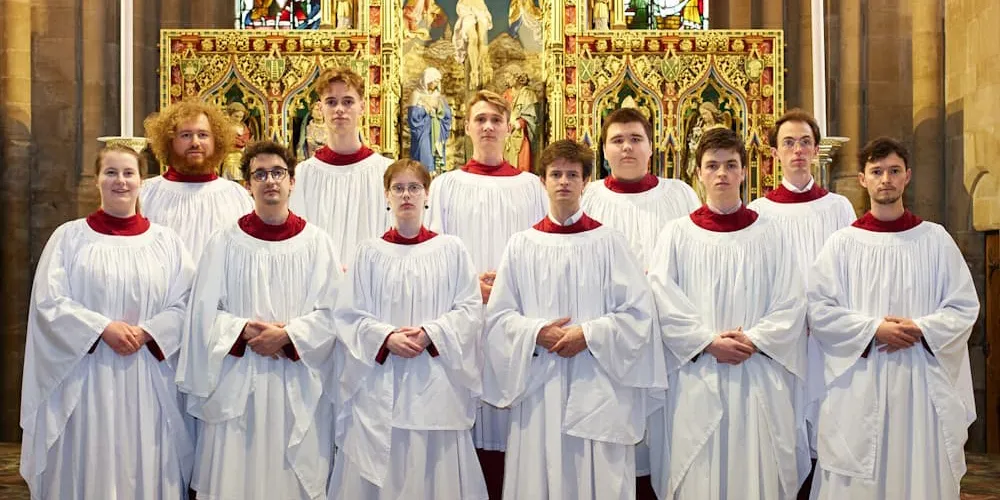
[{"x": 205, "y": 167}]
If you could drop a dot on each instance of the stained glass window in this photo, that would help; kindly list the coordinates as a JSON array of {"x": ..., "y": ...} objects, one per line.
[
  {"x": 667, "y": 14},
  {"x": 278, "y": 14}
]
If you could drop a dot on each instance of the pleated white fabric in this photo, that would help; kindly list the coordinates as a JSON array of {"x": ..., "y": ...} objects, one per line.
[
  {"x": 194, "y": 210},
  {"x": 892, "y": 425},
  {"x": 574, "y": 421},
  {"x": 808, "y": 225},
  {"x": 346, "y": 201},
  {"x": 101, "y": 425},
  {"x": 484, "y": 212},
  {"x": 640, "y": 216},
  {"x": 404, "y": 426},
  {"x": 729, "y": 431},
  {"x": 267, "y": 429}
]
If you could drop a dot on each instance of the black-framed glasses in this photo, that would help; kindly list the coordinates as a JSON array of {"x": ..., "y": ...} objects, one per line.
[{"x": 277, "y": 174}]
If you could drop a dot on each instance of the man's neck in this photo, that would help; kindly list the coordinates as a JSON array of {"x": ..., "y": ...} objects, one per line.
[
  {"x": 344, "y": 144},
  {"x": 563, "y": 211},
  {"x": 799, "y": 179},
  {"x": 623, "y": 178},
  {"x": 724, "y": 205},
  {"x": 490, "y": 158},
  {"x": 408, "y": 228},
  {"x": 273, "y": 216},
  {"x": 888, "y": 213}
]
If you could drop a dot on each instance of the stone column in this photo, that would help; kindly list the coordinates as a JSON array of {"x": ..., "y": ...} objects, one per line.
[
  {"x": 15, "y": 199},
  {"x": 927, "y": 60},
  {"x": 850, "y": 112}
]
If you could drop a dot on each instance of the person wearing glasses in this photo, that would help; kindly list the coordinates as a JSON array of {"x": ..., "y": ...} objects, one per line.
[
  {"x": 484, "y": 203},
  {"x": 99, "y": 408},
  {"x": 570, "y": 347},
  {"x": 340, "y": 187},
  {"x": 809, "y": 214},
  {"x": 257, "y": 337},
  {"x": 411, "y": 377}
]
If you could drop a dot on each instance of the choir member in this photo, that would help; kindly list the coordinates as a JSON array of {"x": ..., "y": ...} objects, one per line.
[
  {"x": 732, "y": 313},
  {"x": 809, "y": 214},
  {"x": 631, "y": 199},
  {"x": 570, "y": 347},
  {"x": 484, "y": 203},
  {"x": 340, "y": 187},
  {"x": 100, "y": 411},
  {"x": 891, "y": 307},
  {"x": 192, "y": 138},
  {"x": 257, "y": 345},
  {"x": 412, "y": 376}
]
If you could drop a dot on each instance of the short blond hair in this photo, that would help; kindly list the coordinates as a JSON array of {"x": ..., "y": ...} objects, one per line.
[
  {"x": 161, "y": 128},
  {"x": 344, "y": 75},
  {"x": 489, "y": 97}
]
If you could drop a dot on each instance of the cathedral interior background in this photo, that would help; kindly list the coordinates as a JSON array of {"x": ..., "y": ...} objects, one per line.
[{"x": 923, "y": 71}]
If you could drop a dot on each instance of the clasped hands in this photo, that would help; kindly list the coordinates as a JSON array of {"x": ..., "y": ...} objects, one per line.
[
  {"x": 125, "y": 339},
  {"x": 895, "y": 333},
  {"x": 407, "y": 341},
  {"x": 566, "y": 341},
  {"x": 732, "y": 347},
  {"x": 266, "y": 339}
]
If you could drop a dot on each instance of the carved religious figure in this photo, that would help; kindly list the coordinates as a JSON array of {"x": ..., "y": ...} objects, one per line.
[
  {"x": 470, "y": 40},
  {"x": 525, "y": 21},
  {"x": 345, "y": 14},
  {"x": 312, "y": 135},
  {"x": 601, "y": 14},
  {"x": 429, "y": 117},
  {"x": 239, "y": 118},
  {"x": 709, "y": 116},
  {"x": 420, "y": 17},
  {"x": 523, "y": 121}
]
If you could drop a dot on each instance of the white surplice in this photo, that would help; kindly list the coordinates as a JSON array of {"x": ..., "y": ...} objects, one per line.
[
  {"x": 346, "y": 201},
  {"x": 101, "y": 425},
  {"x": 640, "y": 216},
  {"x": 406, "y": 423},
  {"x": 484, "y": 212},
  {"x": 267, "y": 429},
  {"x": 892, "y": 425},
  {"x": 574, "y": 421},
  {"x": 808, "y": 225},
  {"x": 729, "y": 431},
  {"x": 194, "y": 210}
]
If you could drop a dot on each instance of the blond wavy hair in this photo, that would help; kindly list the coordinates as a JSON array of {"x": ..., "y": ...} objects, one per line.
[
  {"x": 162, "y": 127},
  {"x": 340, "y": 75}
]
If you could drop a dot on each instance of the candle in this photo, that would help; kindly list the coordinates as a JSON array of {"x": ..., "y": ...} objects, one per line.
[
  {"x": 819, "y": 64},
  {"x": 126, "y": 68}
]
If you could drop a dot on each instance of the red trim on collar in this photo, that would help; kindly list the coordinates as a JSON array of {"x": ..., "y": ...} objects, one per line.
[
  {"x": 327, "y": 155},
  {"x": 253, "y": 225},
  {"x": 393, "y": 236},
  {"x": 723, "y": 223},
  {"x": 905, "y": 222},
  {"x": 647, "y": 182},
  {"x": 784, "y": 195},
  {"x": 173, "y": 175},
  {"x": 504, "y": 169},
  {"x": 584, "y": 224},
  {"x": 104, "y": 223}
]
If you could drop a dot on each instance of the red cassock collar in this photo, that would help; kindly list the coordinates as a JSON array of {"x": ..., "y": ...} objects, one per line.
[
  {"x": 504, "y": 169},
  {"x": 584, "y": 224},
  {"x": 393, "y": 236},
  {"x": 104, "y": 223},
  {"x": 174, "y": 175},
  {"x": 723, "y": 223},
  {"x": 253, "y": 225},
  {"x": 784, "y": 195},
  {"x": 905, "y": 222},
  {"x": 327, "y": 155},
  {"x": 648, "y": 181}
]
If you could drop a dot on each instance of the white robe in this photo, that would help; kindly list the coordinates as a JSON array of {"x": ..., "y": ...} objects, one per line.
[
  {"x": 102, "y": 425},
  {"x": 484, "y": 212},
  {"x": 640, "y": 216},
  {"x": 194, "y": 210},
  {"x": 574, "y": 421},
  {"x": 267, "y": 429},
  {"x": 729, "y": 432},
  {"x": 346, "y": 201},
  {"x": 893, "y": 425},
  {"x": 407, "y": 421},
  {"x": 808, "y": 225}
]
